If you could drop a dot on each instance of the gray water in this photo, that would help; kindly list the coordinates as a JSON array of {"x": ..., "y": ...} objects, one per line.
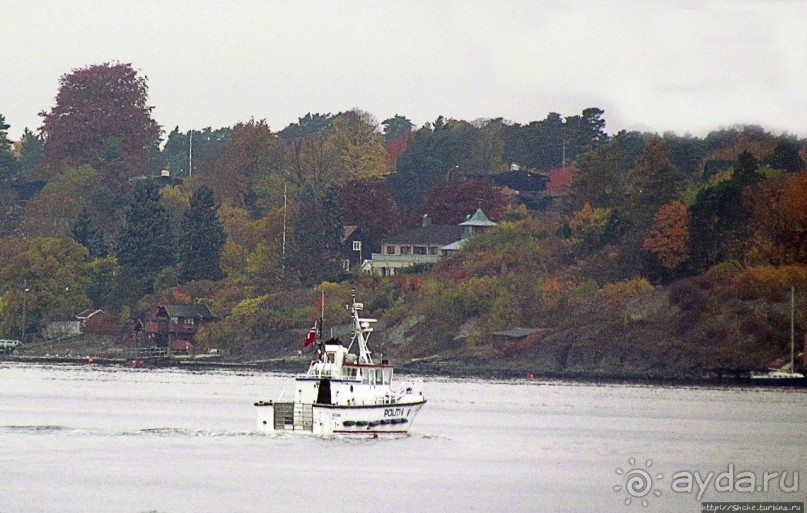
[{"x": 102, "y": 439}]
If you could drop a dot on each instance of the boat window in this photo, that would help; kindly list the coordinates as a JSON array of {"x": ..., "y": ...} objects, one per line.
[
  {"x": 330, "y": 356},
  {"x": 379, "y": 377},
  {"x": 365, "y": 378}
]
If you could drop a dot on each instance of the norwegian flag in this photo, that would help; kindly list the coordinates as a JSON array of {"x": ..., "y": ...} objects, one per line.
[{"x": 312, "y": 335}]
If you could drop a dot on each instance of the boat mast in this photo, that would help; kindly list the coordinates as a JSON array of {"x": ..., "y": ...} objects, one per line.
[
  {"x": 792, "y": 328},
  {"x": 362, "y": 330}
]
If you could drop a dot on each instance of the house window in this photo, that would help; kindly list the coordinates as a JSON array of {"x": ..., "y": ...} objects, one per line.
[
  {"x": 189, "y": 321},
  {"x": 406, "y": 250},
  {"x": 356, "y": 245},
  {"x": 346, "y": 265},
  {"x": 420, "y": 250},
  {"x": 433, "y": 250},
  {"x": 390, "y": 250}
]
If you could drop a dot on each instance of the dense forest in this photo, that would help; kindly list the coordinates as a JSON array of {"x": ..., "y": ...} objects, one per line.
[{"x": 103, "y": 208}]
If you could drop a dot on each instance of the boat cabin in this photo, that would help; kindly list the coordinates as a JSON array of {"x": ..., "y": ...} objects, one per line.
[{"x": 338, "y": 363}]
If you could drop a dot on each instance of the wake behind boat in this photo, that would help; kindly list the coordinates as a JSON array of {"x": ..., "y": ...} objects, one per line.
[{"x": 344, "y": 392}]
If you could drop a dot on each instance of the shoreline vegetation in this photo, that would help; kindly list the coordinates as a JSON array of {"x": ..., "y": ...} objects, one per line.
[
  {"x": 426, "y": 367},
  {"x": 628, "y": 255}
]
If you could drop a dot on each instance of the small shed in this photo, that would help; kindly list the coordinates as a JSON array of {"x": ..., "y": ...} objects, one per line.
[{"x": 97, "y": 321}]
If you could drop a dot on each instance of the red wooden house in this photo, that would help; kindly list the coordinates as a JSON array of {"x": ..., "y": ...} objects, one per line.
[{"x": 174, "y": 326}]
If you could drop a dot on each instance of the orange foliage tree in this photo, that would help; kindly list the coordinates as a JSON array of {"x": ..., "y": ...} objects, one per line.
[
  {"x": 560, "y": 180},
  {"x": 669, "y": 235},
  {"x": 778, "y": 220},
  {"x": 396, "y": 147}
]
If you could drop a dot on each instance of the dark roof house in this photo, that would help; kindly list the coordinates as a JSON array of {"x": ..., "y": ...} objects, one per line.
[
  {"x": 426, "y": 244},
  {"x": 170, "y": 323}
]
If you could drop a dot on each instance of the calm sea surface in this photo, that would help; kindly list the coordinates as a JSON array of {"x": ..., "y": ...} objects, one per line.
[{"x": 102, "y": 439}]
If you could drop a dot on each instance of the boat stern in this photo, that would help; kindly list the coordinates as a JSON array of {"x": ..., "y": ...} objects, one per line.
[{"x": 265, "y": 416}]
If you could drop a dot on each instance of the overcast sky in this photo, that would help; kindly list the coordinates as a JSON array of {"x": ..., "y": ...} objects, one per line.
[{"x": 698, "y": 66}]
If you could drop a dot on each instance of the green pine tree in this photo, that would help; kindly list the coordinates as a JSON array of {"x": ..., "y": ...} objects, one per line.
[
  {"x": 202, "y": 238},
  {"x": 314, "y": 255},
  {"x": 146, "y": 244}
]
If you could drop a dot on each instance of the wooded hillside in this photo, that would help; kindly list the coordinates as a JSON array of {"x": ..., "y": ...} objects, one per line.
[{"x": 654, "y": 253}]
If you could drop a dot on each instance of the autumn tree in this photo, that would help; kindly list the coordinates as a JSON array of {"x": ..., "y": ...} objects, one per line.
[
  {"x": 395, "y": 149},
  {"x": 202, "y": 238},
  {"x": 589, "y": 226},
  {"x": 250, "y": 153},
  {"x": 451, "y": 202},
  {"x": 313, "y": 158},
  {"x": 101, "y": 118},
  {"x": 396, "y": 127},
  {"x": 719, "y": 217},
  {"x": 360, "y": 147},
  {"x": 443, "y": 151},
  {"x": 669, "y": 235},
  {"x": 368, "y": 204},
  {"x": 48, "y": 277},
  {"x": 55, "y": 208},
  {"x": 778, "y": 220},
  {"x": 600, "y": 178},
  {"x": 146, "y": 244},
  {"x": 560, "y": 180},
  {"x": 655, "y": 181},
  {"x": 328, "y": 150}
]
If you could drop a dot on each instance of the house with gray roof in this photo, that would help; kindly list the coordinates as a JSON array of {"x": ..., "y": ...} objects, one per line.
[{"x": 426, "y": 244}]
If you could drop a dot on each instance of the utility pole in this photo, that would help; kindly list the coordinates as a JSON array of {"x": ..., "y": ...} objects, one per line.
[
  {"x": 283, "y": 249},
  {"x": 563, "y": 161},
  {"x": 792, "y": 328},
  {"x": 25, "y": 290},
  {"x": 190, "y": 156}
]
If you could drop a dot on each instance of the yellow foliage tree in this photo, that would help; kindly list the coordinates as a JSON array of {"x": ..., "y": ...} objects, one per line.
[
  {"x": 588, "y": 224},
  {"x": 360, "y": 146}
]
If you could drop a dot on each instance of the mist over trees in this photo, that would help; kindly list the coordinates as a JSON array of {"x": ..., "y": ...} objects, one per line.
[{"x": 261, "y": 210}]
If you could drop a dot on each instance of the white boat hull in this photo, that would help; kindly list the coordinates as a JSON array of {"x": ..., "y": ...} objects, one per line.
[{"x": 328, "y": 419}]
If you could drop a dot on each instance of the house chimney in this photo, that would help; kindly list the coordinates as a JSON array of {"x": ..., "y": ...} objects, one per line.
[{"x": 427, "y": 221}]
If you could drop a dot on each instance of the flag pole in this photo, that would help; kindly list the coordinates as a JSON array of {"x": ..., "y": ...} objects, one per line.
[{"x": 322, "y": 315}]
